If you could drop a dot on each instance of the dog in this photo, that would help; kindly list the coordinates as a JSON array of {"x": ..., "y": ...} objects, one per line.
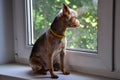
[{"x": 52, "y": 44}]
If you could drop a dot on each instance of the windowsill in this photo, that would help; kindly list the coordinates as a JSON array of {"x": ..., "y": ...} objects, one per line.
[{"x": 22, "y": 72}]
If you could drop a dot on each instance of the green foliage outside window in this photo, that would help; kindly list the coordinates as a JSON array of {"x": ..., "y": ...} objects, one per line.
[{"x": 83, "y": 37}]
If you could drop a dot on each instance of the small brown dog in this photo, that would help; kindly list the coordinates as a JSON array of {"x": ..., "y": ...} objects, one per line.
[{"x": 44, "y": 53}]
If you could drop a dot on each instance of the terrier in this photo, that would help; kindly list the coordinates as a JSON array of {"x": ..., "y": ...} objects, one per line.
[{"x": 45, "y": 51}]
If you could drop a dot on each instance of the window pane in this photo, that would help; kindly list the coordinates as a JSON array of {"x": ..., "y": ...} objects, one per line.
[{"x": 83, "y": 37}]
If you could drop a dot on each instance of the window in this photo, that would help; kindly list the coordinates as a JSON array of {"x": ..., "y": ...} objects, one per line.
[
  {"x": 117, "y": 37},
  {"x": 103, "y": 61},
  {"x": 84, "y": 37}
]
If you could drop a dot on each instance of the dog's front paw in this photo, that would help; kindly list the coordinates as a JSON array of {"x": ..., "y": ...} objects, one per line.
[
  {"x": 65, "y": 72},
  {"x": 54, "y": 76}
]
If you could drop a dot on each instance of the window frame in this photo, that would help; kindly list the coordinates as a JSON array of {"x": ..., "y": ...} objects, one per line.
[
  {"x": 117, "y": 36},
  {"x": 98, "y": 63}
]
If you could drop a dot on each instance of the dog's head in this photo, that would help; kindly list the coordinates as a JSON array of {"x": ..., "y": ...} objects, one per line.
[{"x": 69, "y": 17}]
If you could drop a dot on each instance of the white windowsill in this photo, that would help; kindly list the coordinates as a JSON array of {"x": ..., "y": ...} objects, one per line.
[{"x": 23, "y": 72}]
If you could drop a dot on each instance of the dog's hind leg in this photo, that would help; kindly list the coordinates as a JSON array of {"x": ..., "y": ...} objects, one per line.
[{"x": 37, "y": 67}]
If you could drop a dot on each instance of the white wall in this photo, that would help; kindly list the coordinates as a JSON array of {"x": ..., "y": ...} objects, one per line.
[{"x": 6, "y": 32}]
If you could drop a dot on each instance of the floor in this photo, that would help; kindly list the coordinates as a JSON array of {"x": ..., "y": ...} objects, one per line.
[{"x": 23, "y": 72}]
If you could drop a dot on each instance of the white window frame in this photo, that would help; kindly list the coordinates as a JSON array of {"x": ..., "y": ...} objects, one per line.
[
  {"x": 101, "y": 63},
  {"x": 117, "y": 36}
]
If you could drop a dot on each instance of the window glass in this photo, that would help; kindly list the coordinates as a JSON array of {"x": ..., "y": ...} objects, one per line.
[{"x": 81, "y": 38}]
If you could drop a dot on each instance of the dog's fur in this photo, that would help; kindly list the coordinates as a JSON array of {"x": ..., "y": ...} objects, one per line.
[{"x": 44, "y": 53}]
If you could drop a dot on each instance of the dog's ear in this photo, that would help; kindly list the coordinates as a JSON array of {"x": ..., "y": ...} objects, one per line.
[{"x": 66, "y": 10}]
